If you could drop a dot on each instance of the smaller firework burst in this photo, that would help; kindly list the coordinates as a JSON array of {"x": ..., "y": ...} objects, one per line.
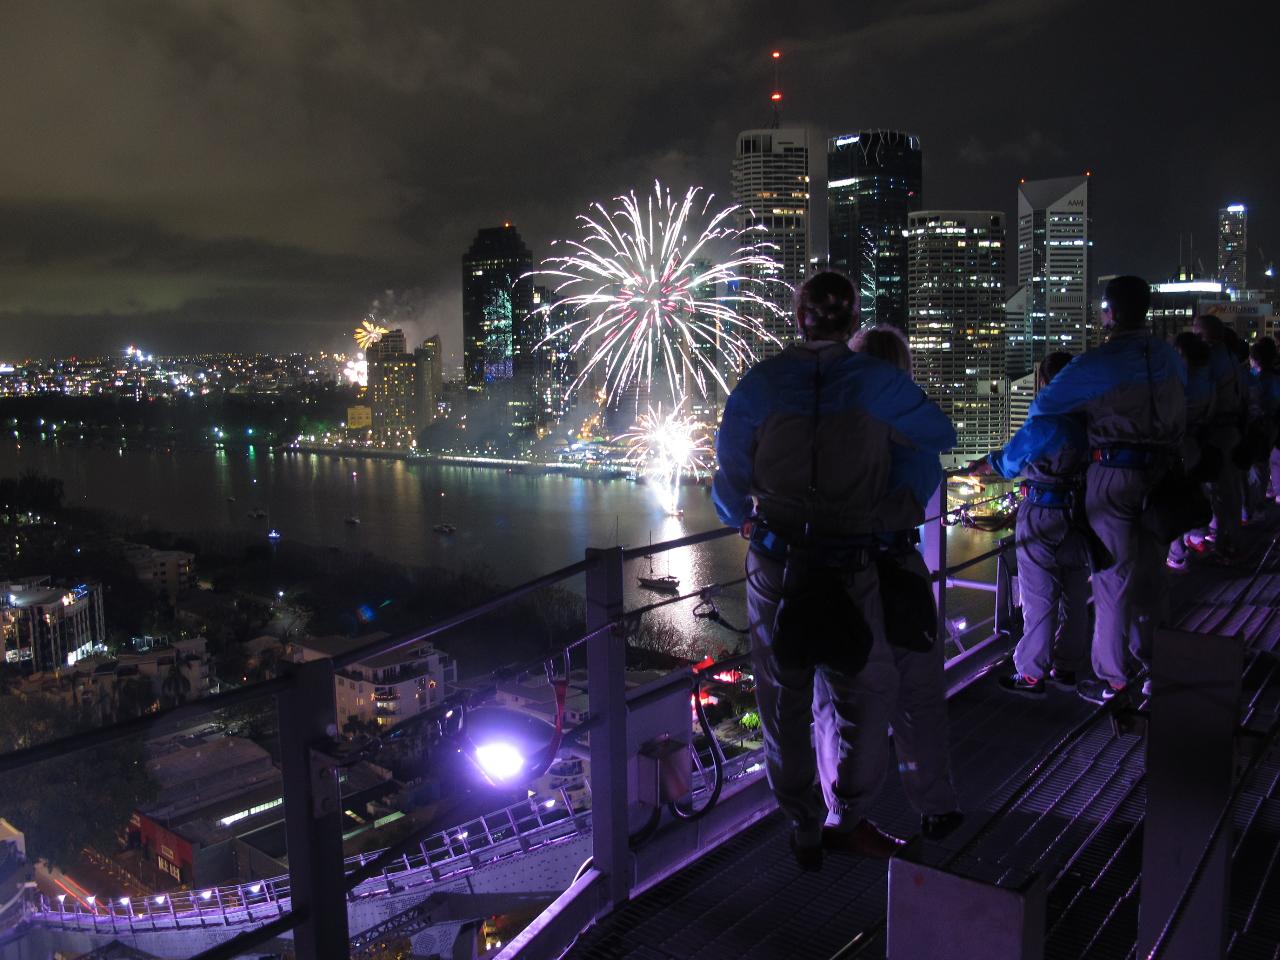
[
  {"x": 356, "y": 371},
  {"x": 665, "y": 447},
  {"x": 369, "y": 333}
]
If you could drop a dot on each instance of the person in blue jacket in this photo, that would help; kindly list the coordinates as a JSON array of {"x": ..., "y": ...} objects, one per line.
[
  {"x": 806, "y": 469},
  {"x": 1225, "y": 433},
  {"x": 1052, "y": 553},
  {"x": 1130, "y": 392},
  {"x": 1200, "y": 396}
]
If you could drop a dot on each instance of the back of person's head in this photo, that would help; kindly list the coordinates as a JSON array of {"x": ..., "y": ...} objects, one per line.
[
  {"x": 1264, "y": 353},
  {"x": 884, "y": 343},
  {"x": 827, "y": 306},
  {"x": 1195, "y": 352},
  {"x": 1128, "y": 299},
  {"x": 1210, "y": 327},
  {"x": 1052, "y": 365}
]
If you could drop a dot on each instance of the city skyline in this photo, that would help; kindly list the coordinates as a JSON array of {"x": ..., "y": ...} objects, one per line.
[{"x": 225, "y": 224}]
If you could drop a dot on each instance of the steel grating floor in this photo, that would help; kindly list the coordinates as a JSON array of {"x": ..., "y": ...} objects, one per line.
[{"x": 1077, "y": 819}]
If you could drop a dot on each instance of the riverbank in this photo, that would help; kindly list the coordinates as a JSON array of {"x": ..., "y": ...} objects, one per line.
[{"x": 587, "y": 471}]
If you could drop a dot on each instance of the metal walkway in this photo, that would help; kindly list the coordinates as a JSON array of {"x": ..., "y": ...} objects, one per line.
[{"x": 1068, "y": 797}]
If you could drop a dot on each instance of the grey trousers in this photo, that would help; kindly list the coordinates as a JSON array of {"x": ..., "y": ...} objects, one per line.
[
  {"x": 848, "y": 750},
  {"x": 1053, "y": 579},
  {"x": 1128, "y": 595}
]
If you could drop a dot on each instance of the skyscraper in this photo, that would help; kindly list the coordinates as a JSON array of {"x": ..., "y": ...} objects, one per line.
[
  {"x": 956, "y": 309},
  {"x": 1233, "y": 222},
  {"x": 1053, "y": 264},
  {"x": 874, "y": 180},
  {"x": 495, "y": 304},
  {"x": 394, "y": 399},
  {"x": 428, "y": 380},
  {"x": 773, "y": 174}
]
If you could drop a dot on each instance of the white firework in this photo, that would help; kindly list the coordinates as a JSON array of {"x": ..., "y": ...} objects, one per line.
[
  {"x": 641, "y": 287},
  {"x": 665, "y": 447}
]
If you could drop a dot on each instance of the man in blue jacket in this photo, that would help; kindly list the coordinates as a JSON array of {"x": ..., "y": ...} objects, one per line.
[
  {"x": 1130, "y": 391},
  {"x": 807, "y": 465},
  {"x": 1052, "y": 552}
]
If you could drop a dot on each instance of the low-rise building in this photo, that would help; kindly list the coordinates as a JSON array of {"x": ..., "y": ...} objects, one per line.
[
  {"x": 165, "y": 674},
  {"x": 384, "y": 689},
  {"x": 214, "y": 790},
  {"x": 167, "y": 572},
  {"x": 44, "y": 626}
]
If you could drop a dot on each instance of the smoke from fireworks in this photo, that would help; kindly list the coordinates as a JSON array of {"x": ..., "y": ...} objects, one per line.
[
  {"x": 642, "y": 288},
  {"x": 665, "y": 447},
  {"x": 369, "y": 333}
]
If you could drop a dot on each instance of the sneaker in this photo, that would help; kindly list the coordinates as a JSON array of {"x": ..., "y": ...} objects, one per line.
[
  {"x": 935, "y": 826},
  {"x": 1099, "y": 691},
  {"x": 1023, "y": 686},
  {"x": 1066, "y": 679},
  {"x": 864, "y": 840},
  {"x": 808, "y": 855},
  {"x": 1146, "y": 687},
  {"x": 1198, "y": 544},
  {"x": 1176, "y": 563}
]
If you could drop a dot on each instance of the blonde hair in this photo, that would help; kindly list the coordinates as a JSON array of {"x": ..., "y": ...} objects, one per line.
[{"x": 884, "y": 343}]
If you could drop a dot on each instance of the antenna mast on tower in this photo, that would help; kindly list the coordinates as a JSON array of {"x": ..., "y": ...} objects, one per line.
[{"x": 776, "y": 97}]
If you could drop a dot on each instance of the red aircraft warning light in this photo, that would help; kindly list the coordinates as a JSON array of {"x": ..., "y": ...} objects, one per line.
[{"x": 775, "y": 96}]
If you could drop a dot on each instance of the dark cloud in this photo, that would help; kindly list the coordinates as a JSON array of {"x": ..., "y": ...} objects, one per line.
[{"x": 260, "y": 169}]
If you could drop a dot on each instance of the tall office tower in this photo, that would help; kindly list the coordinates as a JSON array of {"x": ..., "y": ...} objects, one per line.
[
  {"x": 1053, "y": 264},
  {"x": 774, "y": 172},
  {"x": 496, "y": 301},
  {"x": 1017, "y": 345},
  {"x": 393, "y": 395},
  {"x": 873, "y": 183},
  {"x": 555, "y": 365},
  {"x": 1232, "y": 247},
  {"x": 392, "y": 344},
  {"x": 428, "y": 380},
  {"x": 956, "y": 322}
]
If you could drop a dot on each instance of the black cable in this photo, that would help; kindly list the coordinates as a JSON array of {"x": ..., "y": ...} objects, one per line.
[{"x": 717, "y": 761}]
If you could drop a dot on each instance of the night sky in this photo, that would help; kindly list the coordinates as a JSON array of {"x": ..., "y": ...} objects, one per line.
[{"x": 248, "y": 175}]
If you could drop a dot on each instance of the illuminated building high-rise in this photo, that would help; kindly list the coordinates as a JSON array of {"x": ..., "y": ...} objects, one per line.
[
  {"x": 874, "y": 180},
  {"x": 1053, "y": 265},
  {"x": 1233, "y": 246},
  {"x": 392, "y": 344},
  {"x": 496, "y": 302},
  {"x": 555, "y": 364},
  {"x": 393, "y": 395},
  {"x": 774, "y": 171},
  {"x": 956, "y": 311},
  {"x": 428, "y": 380}
]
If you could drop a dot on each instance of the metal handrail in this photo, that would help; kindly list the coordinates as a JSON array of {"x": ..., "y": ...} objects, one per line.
[{"x": 240, "y": 903}]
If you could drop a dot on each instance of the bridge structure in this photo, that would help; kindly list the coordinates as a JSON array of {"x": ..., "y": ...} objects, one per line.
[{"x": 1149, "y": 828}]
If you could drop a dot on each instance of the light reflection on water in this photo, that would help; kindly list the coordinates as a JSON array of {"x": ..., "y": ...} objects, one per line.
[{"x": 518, "y": 524}]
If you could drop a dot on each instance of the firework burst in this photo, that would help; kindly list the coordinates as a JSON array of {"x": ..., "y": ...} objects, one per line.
[
  {"x": 665, "y": 447},
  {"x": 641, "y": 286},
  {"x": 369, "y": 333}
]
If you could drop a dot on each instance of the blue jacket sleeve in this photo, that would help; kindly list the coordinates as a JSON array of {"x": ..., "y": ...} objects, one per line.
[
  {"x": 1037, "y": 437},
  {"x": 735, "y": 452},
  {"x": 899, "y": 402}
]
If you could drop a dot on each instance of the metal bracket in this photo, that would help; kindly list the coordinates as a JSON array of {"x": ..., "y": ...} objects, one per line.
[{"x": 326, "y": 796}]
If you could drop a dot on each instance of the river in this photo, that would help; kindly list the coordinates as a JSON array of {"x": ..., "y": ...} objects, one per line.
[{"x": 519, "y": 524}]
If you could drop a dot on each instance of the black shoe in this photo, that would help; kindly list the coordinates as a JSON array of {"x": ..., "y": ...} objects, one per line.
[
  {"x": 808, "y": 856},
  {"x": 935, "y": 826},
  {"x": 1066, "y": 679},
  {"x": 1099, "y": 691},
  {"x": 1023, "y": 686}
]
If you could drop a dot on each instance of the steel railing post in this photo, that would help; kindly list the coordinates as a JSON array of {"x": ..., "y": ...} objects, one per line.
[
  {"x": 934, "y": 543},
  {"x": 313, "y": 813},
  {"x": 606, "y": 689}
]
